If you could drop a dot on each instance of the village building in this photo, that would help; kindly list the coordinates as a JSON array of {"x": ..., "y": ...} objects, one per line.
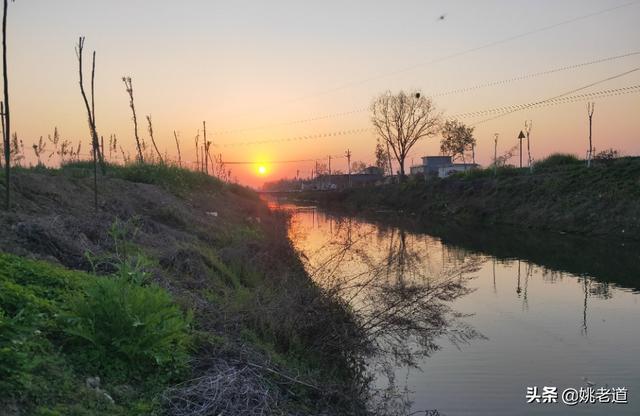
[{"x": 440, "y": 166}]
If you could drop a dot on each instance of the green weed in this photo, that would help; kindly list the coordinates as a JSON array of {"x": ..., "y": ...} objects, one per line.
[
  {"x": 170, "y": 177},
  {"x": 59, "y": 326},
  {"x": 126, "y": 330}
]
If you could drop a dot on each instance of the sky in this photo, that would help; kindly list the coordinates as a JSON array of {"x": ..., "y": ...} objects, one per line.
[{"x": 267, "y": 72}]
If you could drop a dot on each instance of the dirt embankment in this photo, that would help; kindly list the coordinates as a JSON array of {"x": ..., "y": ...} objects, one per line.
[{"x": 258, "y": 319}]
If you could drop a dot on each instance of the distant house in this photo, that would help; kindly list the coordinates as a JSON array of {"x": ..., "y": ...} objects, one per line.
[
  {"x": 369, "y": 176},
  {"x": 440, "y": 166},
  {"x": 372, "y": 170},
  {"x": 416, "y": 170}
]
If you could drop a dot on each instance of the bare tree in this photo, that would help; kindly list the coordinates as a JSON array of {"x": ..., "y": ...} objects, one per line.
[
  {"x": 39, "y": 150},
  {"x": 403, "y": 119},
  {"x": 382, "y": 160},
  {"x": 125, "y": 157},
  {"x": 175, "y": 136},
  {"x": 113, "y": 145},
  {"x": 206, "y": 154},
  {"x": 153, "y": 141},
  {"x": 503, "y": 159},
  {"x": 6, "y": 114},
  {"x": 129, "y": 87},
  {"x": 90, "y": 107},
  {"x": 457, "y": 139},
  {"x": 55, "y": 140},
  {"x": 16, "y": 151},
  {"x": 97, "y": 153},
  {"x": 197, "y": 140},
  {"x": 358, "y": 166},
  {"x": 221, "y": 170}
]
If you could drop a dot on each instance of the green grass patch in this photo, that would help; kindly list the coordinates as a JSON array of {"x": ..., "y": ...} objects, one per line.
[
  {"x": 170, "y": 177},
  {"x": 58, "y": 327},
  {"x": 125, "y": 331},
  {"x": 558, "y": 159}
]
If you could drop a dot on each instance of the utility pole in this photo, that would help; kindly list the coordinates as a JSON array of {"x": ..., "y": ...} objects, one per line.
[
  {"x": 207, "y": 157},
  {"x": 348, "y": 155},
  {"x": 520, "y": 137},
  {"x": 495, "y": 154},
  {"x": 590, "y": 109},
  {"x": 329, "y": 171},
  {"x": 527, "y": 128}
]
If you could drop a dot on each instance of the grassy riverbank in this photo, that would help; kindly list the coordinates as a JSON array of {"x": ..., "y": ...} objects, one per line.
[
  {"x": 181, "y": 293},
  {"x": 561, "y": 194}
]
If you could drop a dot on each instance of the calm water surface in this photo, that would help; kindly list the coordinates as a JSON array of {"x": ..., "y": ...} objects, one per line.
[{"x": 504, "y": 310}]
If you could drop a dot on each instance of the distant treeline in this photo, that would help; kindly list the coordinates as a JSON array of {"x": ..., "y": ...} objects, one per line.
[{"x": 560, "y": 194}]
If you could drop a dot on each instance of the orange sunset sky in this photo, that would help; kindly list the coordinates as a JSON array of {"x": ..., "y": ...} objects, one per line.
[{"x": 269, "y": 71}]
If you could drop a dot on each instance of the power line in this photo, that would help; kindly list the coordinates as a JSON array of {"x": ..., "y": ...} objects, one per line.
[
  {"x": 557, "y": 100},
  {"x": 547, "y": 103},
  {"x": 622, "y": 74},
  {"x": 460, "y": 53},
  {"x": 560, "y": 99},
  {"x": 292, "y": 122},
  {"x": 299, "y": 138},
  {"x": 536, "y": 74},
  {"x": 278, "y": 162},
  {"x": 437, "y": 94}
]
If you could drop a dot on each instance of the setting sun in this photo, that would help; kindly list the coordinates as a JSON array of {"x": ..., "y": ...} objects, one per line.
[{"x": 262, "y": 170}]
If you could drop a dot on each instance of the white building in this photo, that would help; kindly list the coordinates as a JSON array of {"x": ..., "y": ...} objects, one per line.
[{"x": 440, "y": 166}]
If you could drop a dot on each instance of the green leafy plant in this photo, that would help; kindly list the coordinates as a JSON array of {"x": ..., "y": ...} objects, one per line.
[
  {"x": 126, "y": 261},
  {"x": 125, "y": 329},
  {"x": 59, "y": 326},
  {"x": 15, "y": 344}
]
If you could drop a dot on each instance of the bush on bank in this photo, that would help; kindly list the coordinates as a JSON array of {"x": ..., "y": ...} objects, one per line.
[{"x": 60, "y": 327}]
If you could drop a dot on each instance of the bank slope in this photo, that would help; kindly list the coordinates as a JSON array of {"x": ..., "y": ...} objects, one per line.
[
  {"x": 603, "y": 200},
  {"x": 207, "y": 257}
]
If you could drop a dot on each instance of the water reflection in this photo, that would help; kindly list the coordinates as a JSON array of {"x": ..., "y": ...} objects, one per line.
[
  {"x": 400, "y": 295},
  {"x": 551, "y": 311}
]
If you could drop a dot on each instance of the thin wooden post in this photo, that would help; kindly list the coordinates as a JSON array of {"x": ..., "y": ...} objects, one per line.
[
  {"x": 175, "y": 135},
  {"x": 495, "y": 154},
  {"x": 590, "y": 109},
  {"x": 129, "y": 87},
  {"x": 527, "y": 128},
  {"x": 6, "y": 114},
  {"x": 348, "y": 155}
]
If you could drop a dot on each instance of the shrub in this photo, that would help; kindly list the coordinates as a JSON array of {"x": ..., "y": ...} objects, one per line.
[
  {"x": 30, "y": 293},
  {"x": 488, "y": 172},
  {"x": 15, "y": 345},
  {"x": 170, "y": 177},
  {"x": 606, "y": 157},
  {"x": 59, "y": 326},
  {"x": 127, "y": 260},
  {"x": 557, "y": 159},
  {"x": 128, "y": 330}
]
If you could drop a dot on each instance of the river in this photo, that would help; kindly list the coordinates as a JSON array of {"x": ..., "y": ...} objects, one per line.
[{"x": 466, "y": 320}]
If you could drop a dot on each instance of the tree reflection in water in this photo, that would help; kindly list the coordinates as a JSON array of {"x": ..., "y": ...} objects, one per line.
[
  {"x": 399, "y": 292},
  {"x": 401, "y": 287}
]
